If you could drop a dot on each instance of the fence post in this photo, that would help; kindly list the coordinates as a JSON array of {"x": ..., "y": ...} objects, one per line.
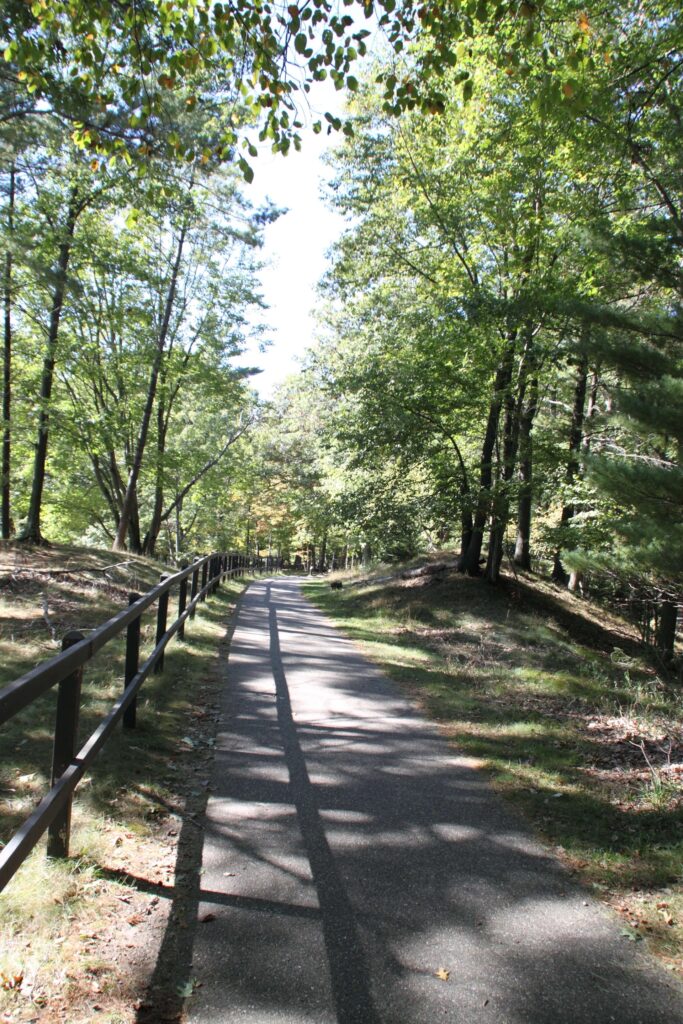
[
  {"x": 219, "y": 562},
  {"x": 162, "y": 619},
  {"x": 66, "y": 737},
  {"x": 205, "y": 573},
  {"x": 132, "y": 661},
  {"x": 182, "y": 601},
  {"x": 195, "y": 588}
]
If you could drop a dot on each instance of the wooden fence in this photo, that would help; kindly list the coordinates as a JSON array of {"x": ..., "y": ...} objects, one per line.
[{"x": 69, "y": 764}]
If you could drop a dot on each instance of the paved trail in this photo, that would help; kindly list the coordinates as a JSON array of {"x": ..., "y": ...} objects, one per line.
[{"x": 350, "y": 855}]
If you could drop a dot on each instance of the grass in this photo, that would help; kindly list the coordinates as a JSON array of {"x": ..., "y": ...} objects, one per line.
[
  {"x": 552, "y": 698},
  {"x": 68, "y": 930}
]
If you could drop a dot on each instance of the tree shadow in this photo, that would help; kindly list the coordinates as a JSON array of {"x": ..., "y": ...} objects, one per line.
[{"x": 364, "y": 856}]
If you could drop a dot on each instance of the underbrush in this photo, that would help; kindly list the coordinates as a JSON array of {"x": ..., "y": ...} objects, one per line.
[
  {"x": 553, "y": 698},
  {"x": 73, "y": 935}
]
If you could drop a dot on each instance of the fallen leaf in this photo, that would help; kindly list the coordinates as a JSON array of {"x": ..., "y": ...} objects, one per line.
[
  {"x": 207, "y": 917},
  {"x": 186, "y": 990},
  {"x": 10, "y": 981},
  {"x": 442, "y": 974}
]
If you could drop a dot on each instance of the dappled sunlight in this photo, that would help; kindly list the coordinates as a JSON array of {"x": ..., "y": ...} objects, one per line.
[{"x": 349, "y": 855}]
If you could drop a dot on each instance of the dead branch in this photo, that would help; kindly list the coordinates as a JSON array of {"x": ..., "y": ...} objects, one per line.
[
  {"x": 27, "y": 570},
  {"x": 46, "y": 615}
]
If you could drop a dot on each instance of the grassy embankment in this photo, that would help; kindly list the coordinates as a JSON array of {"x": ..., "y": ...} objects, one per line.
[
  {"x": 552, "y": 697},
  {"x": 76, "y": 939}
]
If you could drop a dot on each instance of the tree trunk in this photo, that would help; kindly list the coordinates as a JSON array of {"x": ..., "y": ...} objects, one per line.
[
  {"x": 559, "y": 573},
  {"x": 31, "y": 533},
  {"x": 470, "y": 562},
  {"x": 514, "y": 406},
  {"x": 500, "y": 506},
  {"x": 131, "y": 487},
  {"x": 665, "y": 637},
  {"x": 522, "y": 556},
  {"x": 466, "y": 527},
  {"x": 179, "y": 535},
  {"x": 6, "y": 512},
  {"x": 323, "y": 553},
  {"x": 150, "y": 541},
  {"x": 134, "y": 536}
]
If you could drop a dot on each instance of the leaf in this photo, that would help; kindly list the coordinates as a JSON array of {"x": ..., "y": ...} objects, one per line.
[
  {"x": 247, "y": 171},
  {"x": 442, "y": 974},
  {"x": 207, "y": 918},
  {"x": 188, "y": 988},
  {"x": 10, "y": 982}
]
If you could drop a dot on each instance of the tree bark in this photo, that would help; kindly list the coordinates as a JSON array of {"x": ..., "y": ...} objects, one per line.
[
  {"x": 31, "y": 534},
  {"x": 665, "y": 637},
  {"x": 470, "y": 562},
  {"x": 522, "y": 556},
  {"x": 559, "y": 573},
  {"x": 179, "y": 534},
  {"x": 6, "y": 511},
  {"x": 130, "y": 497},
  {"x": 149, "y": 544}
]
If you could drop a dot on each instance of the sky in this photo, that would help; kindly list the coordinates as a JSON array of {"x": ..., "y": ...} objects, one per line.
[{"x": 295, "y": 245}]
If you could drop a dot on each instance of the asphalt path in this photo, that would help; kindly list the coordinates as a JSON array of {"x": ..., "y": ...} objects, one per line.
[{"x": 357, "y": 870}]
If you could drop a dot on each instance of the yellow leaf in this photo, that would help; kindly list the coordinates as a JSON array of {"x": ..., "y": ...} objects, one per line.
[
  {"x": 584, "y": 23},
  {"x": 442, "y": 973}
]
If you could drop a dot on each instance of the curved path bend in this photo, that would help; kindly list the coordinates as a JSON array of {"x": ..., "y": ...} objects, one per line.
[{"x": 350, "y": 855}]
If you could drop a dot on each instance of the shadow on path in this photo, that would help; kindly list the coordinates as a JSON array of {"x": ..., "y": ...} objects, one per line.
[
  {"x": 348, "y": 854},
  {"x": 348, "y": 969}
]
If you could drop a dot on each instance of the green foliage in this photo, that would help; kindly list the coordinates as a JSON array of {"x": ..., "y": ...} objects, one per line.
[{"x": 126, "y": 263}]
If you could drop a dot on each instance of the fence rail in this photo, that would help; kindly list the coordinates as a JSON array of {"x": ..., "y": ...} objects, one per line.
[{"x": 65, "y": 670}]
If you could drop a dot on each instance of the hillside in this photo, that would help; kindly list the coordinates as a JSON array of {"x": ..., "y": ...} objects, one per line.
[
  {"x": 81, "y": 936},
  {"x": 551, "y": 696}
]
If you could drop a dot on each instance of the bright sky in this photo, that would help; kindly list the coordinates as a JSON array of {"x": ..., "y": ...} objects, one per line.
[{"x": 295, "y": 245}]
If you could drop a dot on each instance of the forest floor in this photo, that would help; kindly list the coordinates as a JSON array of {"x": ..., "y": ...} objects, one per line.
[
  {"x": 552, "y": 697},
  {"x": 80, "y": 939}
]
